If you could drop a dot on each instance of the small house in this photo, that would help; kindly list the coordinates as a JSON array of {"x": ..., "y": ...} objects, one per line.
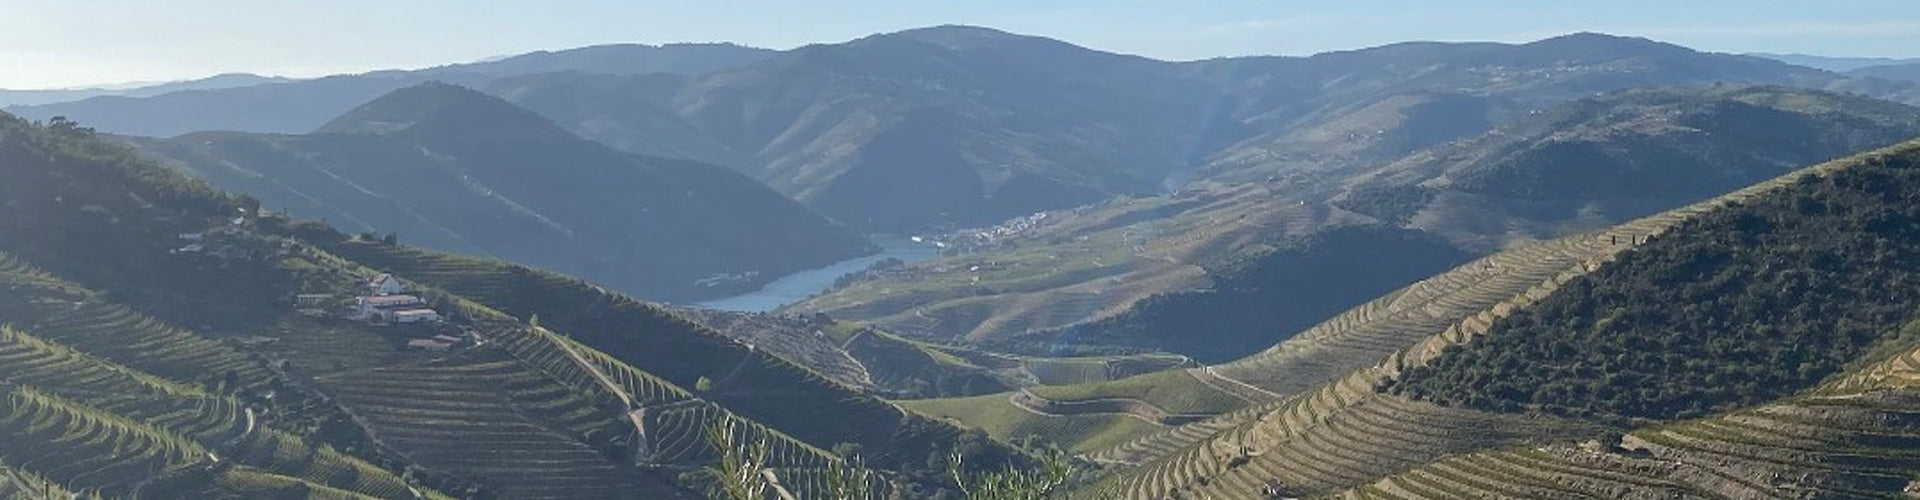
[{"x": 384, "y": 284}]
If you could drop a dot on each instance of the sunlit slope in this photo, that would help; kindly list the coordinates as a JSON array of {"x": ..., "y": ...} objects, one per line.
[
  {"x": 1347, "y": 434},
  {"x": 1854, "y": 438}
]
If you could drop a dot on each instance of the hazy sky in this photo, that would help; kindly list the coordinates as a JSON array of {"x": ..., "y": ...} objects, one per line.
[{"x": 58, "y": 43}]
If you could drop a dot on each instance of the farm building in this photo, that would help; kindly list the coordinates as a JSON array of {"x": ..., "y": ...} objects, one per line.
[
  {"x": 415, "y": 315},
  {"x": 395, "y": 309},
  {"x": 384, "y": 284}
]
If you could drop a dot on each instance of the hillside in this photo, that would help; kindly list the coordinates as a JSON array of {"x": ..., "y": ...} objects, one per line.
[
  {"x": 1146, "y": 272},
  {"x": 1905, "y": 71},
  {"x": 452, "y": 169},
  {"x": 1737, "y": 440},
  {"x": 1616, "y": 156},
  {"x": 155, "y": 320}
]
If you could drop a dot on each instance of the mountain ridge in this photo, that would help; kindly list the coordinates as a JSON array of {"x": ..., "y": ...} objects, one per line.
[{"x": 459, "y": 170}]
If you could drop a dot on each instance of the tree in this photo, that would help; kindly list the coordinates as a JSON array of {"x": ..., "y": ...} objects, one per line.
[{"x": 740, "y": 473}]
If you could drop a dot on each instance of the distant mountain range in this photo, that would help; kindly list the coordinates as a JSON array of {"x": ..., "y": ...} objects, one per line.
[
  {"x": 1904, "y": 72},
  {"x": 1221, "y": 270},
  {"x": 1836, "y": 64},
  {"x": 958, "y": 126},
  {"x": 453, "y": 169},
  {"x": 52, "y": 96},
  {"x": 301, "y": 105}
]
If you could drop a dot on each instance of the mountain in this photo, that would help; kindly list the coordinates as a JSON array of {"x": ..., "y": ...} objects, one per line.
[
  {"x": 1601, "y": 364},
  {"x": 956, "y": 126},
  {"x": 1170, "y": 273},
  {"x": 1605, "y": 159},
  {"x": 1835, "y": 64},
  {"x": 622, "y": 59},
  {"x": 1909, "y": 72},
  {"x": 221, "y": 81},
  {"x": 449, "y": 168},
  {"x": 1363, "y": 107},
  {"x": 164, "y": 338},
  {"x": 1624, "y": 393},
  {"x": 944, "y": 126},
  {"x": 293, "y": 107}
]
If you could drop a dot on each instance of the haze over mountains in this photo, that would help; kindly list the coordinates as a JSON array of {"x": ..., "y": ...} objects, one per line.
[
  {"x": 453, "y": 169},
  {"x": 223, "y": 81},
  {"x": 1589, "y": 266},
  {"x": 960, "y": 126}
]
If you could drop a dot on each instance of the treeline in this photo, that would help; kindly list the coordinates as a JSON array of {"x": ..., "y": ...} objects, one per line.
[{"x": 1745, "y": 304}]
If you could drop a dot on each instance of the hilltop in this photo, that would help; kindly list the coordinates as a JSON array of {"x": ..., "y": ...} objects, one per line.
[{"x": 453, "y": 169}]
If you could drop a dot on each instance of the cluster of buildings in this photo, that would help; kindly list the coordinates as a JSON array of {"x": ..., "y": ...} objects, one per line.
[{"x": 386, "y": 302}]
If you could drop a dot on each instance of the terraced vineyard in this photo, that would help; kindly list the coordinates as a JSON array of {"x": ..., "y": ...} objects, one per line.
[
  {"x": 454, "y": 416},
  {"x": 1854, "y": 439},
  {"x": 751, "y": 383},
  {"x": 209, "y": 423},
  {"x": 16, "y": 484},
  {"x": 675, "y": 421},
  {"x": 1003, "y": 420},
  {"x": 84, "y": 447},
  {"x": 1337, "y": 432},
  {"x": 62, "y": 312}
]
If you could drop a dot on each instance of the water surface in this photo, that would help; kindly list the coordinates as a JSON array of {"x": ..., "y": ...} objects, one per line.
[{"x": 800, "y": 285}]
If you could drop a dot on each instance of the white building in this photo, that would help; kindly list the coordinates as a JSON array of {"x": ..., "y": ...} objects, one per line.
[
  {"x": 383, "y": 307},
  {"x": 384, "y": 284},
  {"x": 415, "y": 315}
]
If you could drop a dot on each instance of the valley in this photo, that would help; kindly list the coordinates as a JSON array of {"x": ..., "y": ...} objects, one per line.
[{"x": 959, "y": 263}]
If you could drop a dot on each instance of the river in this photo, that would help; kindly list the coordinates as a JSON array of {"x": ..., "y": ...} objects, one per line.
[{"x": 800, "y": 285}]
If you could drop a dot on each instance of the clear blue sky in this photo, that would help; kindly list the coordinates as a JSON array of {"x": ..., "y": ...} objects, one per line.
[{"x": 55, "y": 43}]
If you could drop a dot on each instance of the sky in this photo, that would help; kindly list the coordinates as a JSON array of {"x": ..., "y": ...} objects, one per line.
[{"x": 69, "y": 43}]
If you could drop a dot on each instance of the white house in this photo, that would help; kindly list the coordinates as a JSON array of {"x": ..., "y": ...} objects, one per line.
[
  {"x": 384, "y": 284},
  {"x": 383, "y": 307}
]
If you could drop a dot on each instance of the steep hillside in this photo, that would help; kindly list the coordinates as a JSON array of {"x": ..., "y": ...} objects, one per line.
[
  {"x": 1065, "y": 278},
  {"x": 739, "y": 377},
  {"x": 1862, "y": 204},
  {"x": 1608, "y": 158},
  {"x": 1258, "y": 297},
  {"x": 452, "y": 169},
  {"x": 197, "y": 372}
]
